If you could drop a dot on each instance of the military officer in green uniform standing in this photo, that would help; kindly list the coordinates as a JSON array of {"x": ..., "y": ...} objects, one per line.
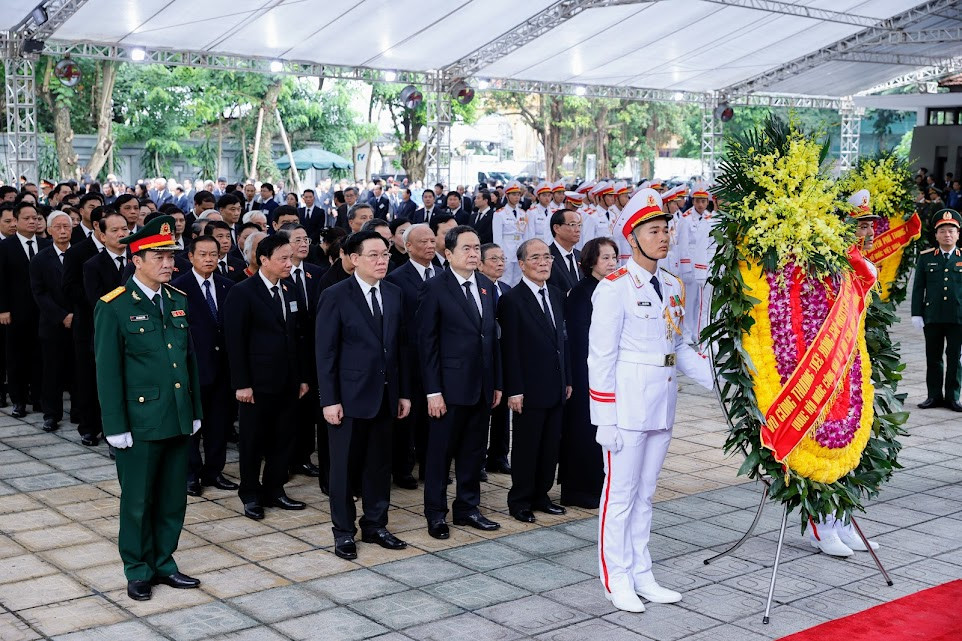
[
  {"x": 937, "y": 310},
  {"x": 149, "y": 388}
]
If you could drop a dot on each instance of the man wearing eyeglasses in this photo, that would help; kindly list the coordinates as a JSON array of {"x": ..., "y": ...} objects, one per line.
[
  {"x": 493, "y": 264},
  {"x": 362, "y": 384},
  {"x": 566, "y": 230}
]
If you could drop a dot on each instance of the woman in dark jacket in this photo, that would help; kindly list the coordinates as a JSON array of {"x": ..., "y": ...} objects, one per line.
[{"x": 581, "y": 467}]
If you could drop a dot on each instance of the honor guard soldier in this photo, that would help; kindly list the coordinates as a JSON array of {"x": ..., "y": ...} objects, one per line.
[
  {"x": 635, "y": 350},
  {"x": 696, "y": 249},
  {"x": 508, "y": 229},
  {"x": 539, "y": 215},
  {"x": 603, "y": 193},
  {"x": 674, "y": 200},
  {"x": 557, "y": 196},
  {"x": 150, "y": 400},
  {"x": 937, "y": 310},
  {"x": 585, "y": 211}
]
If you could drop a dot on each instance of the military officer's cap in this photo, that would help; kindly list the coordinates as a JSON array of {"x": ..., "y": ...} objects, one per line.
[
  {"x": 621, "y": 188},
  {"x": 542, "y": 188},
  {"x": 700, "y": 190},
  {"x": 603, "y": 187},
  {"x": 513, "y": 186},
  {"x": 586, "y": 186},
  {"x": 861, "y": 206},
  {"x": 558, "y": 186},
  {"x": 656, "y": 184},
  {"x": 157, "y": 235},
  {"x": 643, "y": 206},
  {"x": 574, "y": 197},
  {"x": 675, "y": 193},
  {"x": 946, "y": 217}
]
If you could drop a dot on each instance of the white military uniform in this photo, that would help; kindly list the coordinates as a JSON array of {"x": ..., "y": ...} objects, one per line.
[
  {"x": 508, "y": 227},
  {"x": 539, "y": 219},
  {"x": 696, "y": 250},
  {"x": 634, "y": 353}
]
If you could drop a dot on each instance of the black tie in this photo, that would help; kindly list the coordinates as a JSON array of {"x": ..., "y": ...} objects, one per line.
[
  {"x": 471, "y": 302},
  {"x": 276, "y": 294},
  {"x": 120, "y": 264},
  {"x": 428, "y": 272},
  {"x": 299, "y": 282},
  {"x": 30, "y": 252},
  {"x": 544, "y": 304},
  {"x": 156, "y": 300},
  {"x": 657, "y": 286},
  {"x": 223, "y": 267},
  {"x": 376, "y": 309},
  {"x": 571, "y": 266}
]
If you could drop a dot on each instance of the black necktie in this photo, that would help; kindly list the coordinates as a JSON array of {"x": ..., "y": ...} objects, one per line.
[
  {"x": 657, "y": 286},
  {"x": 376, "y": 309},
  {"x": 156, "y": 300},
  {"x": 471, "y": 302},
  {"x": 544, "y": 304},
  {"x": 428, "y": 272},
  {"x": 210, "y": 299},
  {"x": 571, "y": 266},
  {"x": 30, "y": 252},
  {"x": 120, "y": 264},
  {"x": 299, "y": 282},
  {"x": 223, "y": 267},
  {"x": 276, "y": 294}
]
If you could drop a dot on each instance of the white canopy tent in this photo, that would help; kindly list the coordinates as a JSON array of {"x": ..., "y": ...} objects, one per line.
[{"x": 817, "y": 53}]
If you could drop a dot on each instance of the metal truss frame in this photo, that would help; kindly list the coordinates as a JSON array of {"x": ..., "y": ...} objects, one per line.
[
  {"x": 851, "y": 130},
  {"x": 917, "y": 77},
  {"x": 712, "y": 137},
  {"x": 437, "y": 157},
  {"x": 891, "y": 59},
  {"x": 21, "y": 108}
]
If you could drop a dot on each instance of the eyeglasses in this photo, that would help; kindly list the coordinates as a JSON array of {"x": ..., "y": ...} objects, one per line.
[
  {"x": 376, "y": 256},
  {"x": 572, "y": 225},
  {"x": 300, "y": 241},
  {"x": 496, "y": 259},
  {"x": 540, "y": 258}
]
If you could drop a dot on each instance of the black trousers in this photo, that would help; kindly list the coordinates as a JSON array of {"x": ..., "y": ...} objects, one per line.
[
  {"x": 306, "y": 439},
  {"x": 3, "y": 363},
  {"x": 363, "y": 443},
  {"x": 943, "y": 338},
  {"x": 220, "y": 407},
  {"x": 85, "y": 402},
  {"x": 499, "y": 441},
  {"x": 534, "y": 457},
  {"x": 267, "y": 432},
  {"x": 24, "y": 365},
  {"x": 56, "y": 350},
  {"x": 408, "y": 433},
  {"x": 461, "y": 434}
]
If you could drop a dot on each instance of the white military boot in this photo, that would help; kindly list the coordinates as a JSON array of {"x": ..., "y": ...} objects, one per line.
[
  {"x": 830, "y": 543},
  {"x": 848, "y": 536},
  {"x": 647, "y": 588},
  {"x": 626, "y": 600}
]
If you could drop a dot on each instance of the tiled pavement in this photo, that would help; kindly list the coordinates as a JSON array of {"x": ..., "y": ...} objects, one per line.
[{"x": 60, "y": 575}]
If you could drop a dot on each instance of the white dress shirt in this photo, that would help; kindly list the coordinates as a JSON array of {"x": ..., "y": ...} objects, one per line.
[
  {"x": 280, "y": 290},
  {"x": 200, "y": 283},
  {"x": 474, "y": 288},
  {"x": 366, "y": 290}
]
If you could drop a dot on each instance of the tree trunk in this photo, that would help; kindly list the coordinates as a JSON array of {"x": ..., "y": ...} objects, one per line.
[
  {"x": 651, "y": 135},
  {"x": 552, "y": 136},
  {"x": 220, "y": 147},
  {"x": 104, "y": 118},
  {"x": 266, "y": 168},
  {"x": 601, "y": 142},
  {"x": 62, "y": 128}
]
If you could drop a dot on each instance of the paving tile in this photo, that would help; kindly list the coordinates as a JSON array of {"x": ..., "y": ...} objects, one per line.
[
  {"x": 482, "y": 557},
  {"x": 267, "y": 546},
  {"x": 727, "y": 632},
  {"x": 789, "y": 585},
  {"x": 422, "y": 570},
  {"x": 920, "y": 543},
  {"x": 91, "y": 510},
  {"x": 205, "y": 558},
  {"x": 592, "y": 630},
  {"x": 278, "y": 604},
  {"x": 55, "y": 537},
  {"x": 96, "y": 474},
  {"x": 75, "y": 462},
  {"x": 40, "y": 591},
  {"x": 349, "y": 587},
  {"x": 663, "y": 622},
  {"x": 475, "y": 591},
  {"x": 539, "y": 575},
  {"x": 42, "y": 481},
  {"x": 308, "y": 565},
  {"x": 695, "y": 507},
  {"x": 459, "y": 536},
  {"x": 533, "y": 615},
  {"x": 26, "y": 468},
  {"x": 126, "y": 631},
  {"x": 722, "y": 602},
  {"x": 67, "y": 616},
  {"x": 662, "y": 547},
  {"x": 239, "y": 579},
  {"x": 44, "y": 517},
  {"x": 16, "y": 503},
  {"x": 718, "y": 570},
  {"x": 60, "y": 449},
  {"x": 583, "y": 560},
  {"x": 200, "y": 622},
  {"x": 463, "y": 627},
  {"x": 587, "y": 596},
  {"x": 232, "y": 529},
  {"x": 927, "y": 503},
  {"x": 338, "y": 624},
  {"x": 203, "y": 511},
  {"x": 874, "y": 587},
  {"x": 930, "y": 571},
  {"x": 14, "y": 629},
  {"x": 701, "y": 534},
  {"x": 543, "y": 542},
  {"x": 87, "y": 555},
  {"x": 260, "y": 633},
  {"x": 74, "y": 494},
  {"x": 25, "y": 566},
  {"x": 404, "y": 609},
  {"x": 103, "y": 578},
  {"x": 9, "y": 548},
  {"x": 784, "y": 620},
  {"x": 835, "y": 604}
]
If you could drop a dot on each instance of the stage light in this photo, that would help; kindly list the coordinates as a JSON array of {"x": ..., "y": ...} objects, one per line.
[
  {"x": 138, "y": 54},
  {"x": 390, "y": 76},
  {"x": 276, "y": 66},
  {"x": 462, "y": 93},
  {"x": 724, "y": 112},
  {"x": 411, "y": 98},
  {"x": 32, "y": 46},
  {"x": 39, "y": 15}
]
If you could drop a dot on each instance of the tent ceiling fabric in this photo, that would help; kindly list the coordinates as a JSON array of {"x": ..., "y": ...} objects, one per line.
[{"x": 690, "y": 45}]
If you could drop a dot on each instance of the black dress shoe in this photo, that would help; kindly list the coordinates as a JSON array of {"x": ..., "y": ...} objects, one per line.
[
  {"x": 306, "y": 469},
  {"x": 194, "y": 488},
  {"x": 954, "y": 406},
  {"x": 139, "y": 590},
  {"x": 221, "y": 482},
  {"x": 19, "y": 411},
  {"x": 253, "y": 510},
  {"x": 287, "y": 503},
  {"x": 74, "y": 418},
  {"x": 477, "y": 521},
  {"x": 345, "y": 548},
  {"x": 49, "y": 425},
  {"x": 178, "y": 580},
  {"x": 525, "y": 516},
  {"x": 406, "y": 482},
  {"x": 551, "y": 508},
  {"x": 439, "y": 529},
  {"x": 929, "y": 403},
  {"x": 484, "y": 476},
  {"x": 384, "y": 538},
  {"x": 325, "y": 490},
  {"x": 89, "y": 439},
  {"x": 498, "y": 467}
]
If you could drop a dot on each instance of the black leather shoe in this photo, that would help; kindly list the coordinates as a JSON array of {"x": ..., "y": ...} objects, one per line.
[
  {"x": 221, "y": 482},
  {"x": 89, "y": 439},
  {"x": 74, "y": 418},
  {"x": 439, "y": 529},
  {"x": 306, "y": 469},
  {"x": 19, "y": 411},
  {"x": 525, "y": 516},
  {"x": 551, "y": 508},
  {"x": 139, "y": 590},
  {"x": 929, "y": 403},
  {"x": 178, "y": 580},
  {"x": 345, "y": 548},
  {"x": 287, "y": 503},
  {"x": 498, "y": 467},
  {"x": 194, "y": 488},
  {"x": 384, "y": 538},
  {"x": 407, "y": 482},
  {"x": 484, "y": 476},
  {"x": 954, "y": 406},
  {"x": 253, "y": 510},
  {"x": 49, "y": 425},
  {"x": 477, "y": 521}
]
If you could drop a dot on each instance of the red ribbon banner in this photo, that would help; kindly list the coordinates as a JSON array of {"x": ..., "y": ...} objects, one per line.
[{"x": 888, "y": 243}]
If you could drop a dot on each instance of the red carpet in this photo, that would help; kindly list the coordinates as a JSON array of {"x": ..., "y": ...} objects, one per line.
[{"x": 930, "y": 615}]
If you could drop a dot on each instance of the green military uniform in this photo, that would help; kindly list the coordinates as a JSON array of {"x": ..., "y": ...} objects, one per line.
[
  {"x": 148, "y": 385},
  {"x": 937, "y": 298}
]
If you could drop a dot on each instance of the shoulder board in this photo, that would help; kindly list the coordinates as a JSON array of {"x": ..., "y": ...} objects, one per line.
[
  {"x": 176, "y": 290},
  {"x": 927, "y": 251},
  {"x": 499, "y": 209},
  {"x": 669, "y": 273},
  {"x": 109, "y": 296},
  {"x": 618, "y": 273}
]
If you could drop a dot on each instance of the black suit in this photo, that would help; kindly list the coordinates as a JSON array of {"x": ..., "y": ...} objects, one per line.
[
  {"x": 459, "y": 359},
  {"x": 24, "y": 367},
  {"x": 482, "y": 225},
  {"x": 56, "y": 341},
  {"x": 360, "y": 366},
  {"x": 235, "y": 268},
  {"x": 381, "y": 206},
  {"x": 499, "y": 441},
  {"x": 423, "y": 216},
  {"x": 216, "y": 395},
  {"x": 406, "y": 209},
  {"x": 561, "y": 274},
  {"x": 102, "y": 275},
  {"x": 266, "y": 355},
  {"x": 313, "y": 221},
  {"x": 332, "y": 276},
  {"x": 85, "y": 403},
  {"x": 538, "y": 366},
  {"x": 460, "y": 216},
  {"x": 341, "y": 219},
  {"x": 78, "y": 235}
]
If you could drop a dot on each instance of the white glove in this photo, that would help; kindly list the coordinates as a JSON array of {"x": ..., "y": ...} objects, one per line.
[
  {"x": 609, "y": 438},
  {"x": 121, "y": 441},
  {"x": 917, "y": 322},
  {"x": 196, "y": 426}
]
